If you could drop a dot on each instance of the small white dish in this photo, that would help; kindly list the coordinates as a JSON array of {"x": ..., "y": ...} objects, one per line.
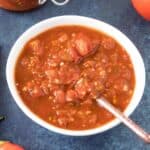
[{"x": 87, "y": 22}]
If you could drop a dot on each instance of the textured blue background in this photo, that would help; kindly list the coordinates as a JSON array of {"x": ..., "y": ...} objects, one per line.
[{"x": 19, "y": 129}]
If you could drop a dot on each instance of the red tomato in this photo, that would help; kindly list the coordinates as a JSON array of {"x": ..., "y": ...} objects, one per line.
[
  {"x": 9, "y": 146},
  {"x": 142, "y": 7},
  {"x": 74, "y": 55},
  {"x": 71, "y": 96}
]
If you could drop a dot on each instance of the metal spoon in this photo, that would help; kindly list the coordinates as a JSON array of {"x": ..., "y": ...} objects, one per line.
[{"x": 127, "y": 121}]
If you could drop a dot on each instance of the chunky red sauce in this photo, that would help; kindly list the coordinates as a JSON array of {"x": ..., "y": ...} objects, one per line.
[{"x": 62, "y": 71}]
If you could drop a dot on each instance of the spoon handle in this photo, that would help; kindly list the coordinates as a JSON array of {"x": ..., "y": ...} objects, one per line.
[{"x": 127, "y": 121}]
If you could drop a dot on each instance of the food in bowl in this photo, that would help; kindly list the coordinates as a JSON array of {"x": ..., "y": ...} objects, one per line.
[{"x": 62, "y": 71}]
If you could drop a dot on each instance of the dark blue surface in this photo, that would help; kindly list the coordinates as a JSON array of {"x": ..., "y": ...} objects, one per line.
[{"x": 19, "y": 129}]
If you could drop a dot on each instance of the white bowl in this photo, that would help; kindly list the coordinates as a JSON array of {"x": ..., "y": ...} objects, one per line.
[{"x": 88, "y": 22}]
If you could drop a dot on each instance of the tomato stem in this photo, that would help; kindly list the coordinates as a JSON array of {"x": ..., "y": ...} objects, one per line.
[{"x": 2, "y": 118}]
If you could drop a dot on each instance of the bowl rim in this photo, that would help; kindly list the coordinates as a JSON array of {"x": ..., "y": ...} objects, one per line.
[{"x": 87, "y": 22}]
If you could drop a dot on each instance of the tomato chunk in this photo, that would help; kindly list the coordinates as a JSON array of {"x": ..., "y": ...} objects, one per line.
[
  {"x": 74, "y": 55},
  {"x": 59, "y": 96},
  {"x": 83, "y": 87},
  {"x": 68, "y": 74},
  {"x": 83, "y": 44},
  {"x": 63, "y": 37},
  {"x": 36, "y": 47},
  {"x": 52, "y": 75},
  {"x": 33, "y": 89},
  {"x": 71, "y": 96},
  {"x": 108, "y": 43}
]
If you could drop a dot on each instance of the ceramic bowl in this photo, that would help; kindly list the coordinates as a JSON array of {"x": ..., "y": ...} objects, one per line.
[{"x": 87, "y": 22}]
